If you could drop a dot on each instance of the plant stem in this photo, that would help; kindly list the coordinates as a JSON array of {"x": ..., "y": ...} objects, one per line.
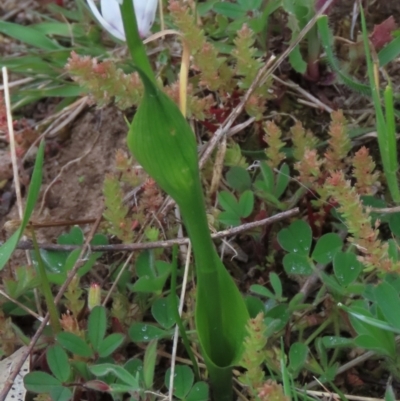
[
  {"x": 48, "y": 296},
  {"x": 134, "y": 41}
]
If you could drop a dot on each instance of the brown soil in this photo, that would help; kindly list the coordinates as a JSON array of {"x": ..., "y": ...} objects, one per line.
[{"x": 77, "y": 193}]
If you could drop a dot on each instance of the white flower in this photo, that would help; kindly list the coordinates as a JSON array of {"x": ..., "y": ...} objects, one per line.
[{"x": 110, "y": 16}]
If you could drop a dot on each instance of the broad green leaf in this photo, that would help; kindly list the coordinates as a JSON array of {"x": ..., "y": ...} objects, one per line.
[
  {"x": 97, "y": 326},
  {"x": 145, "y": 332},
  {"x": 238, "y": 178},
  {"x": 229, "y": 219},
  {"x": 394, "y": 224},
  {"x": 58, "y": 362},
  {"x": 117, "y": 371},
  {"x": 61, "y": 393},
  {"x": 276, "y": 284},
  {"x": 246, "y": 203},
  {"x": 297, "y": 357},
  {"x": 268, "y": 176},
  {"x": 9, "y": 246},
  {"x": 74, "y": 344},
  {"x": 388, "y": 301},
  {"x": 163, "y": 311},
  {"x": 183, "y": 380},
  {"x": 40, "y": 382},
  {"x": 296, "y": 238},
  {"x": 372, "y": 344},
  {"x": 229, "y": 203},
  {"x": 297, "y": 264},
  {"x": 199, "y": 392},
  {"x": 346, "y": 267},
  {"x": 326, "y": 248},
  {"x": 254, "y": 306},
  {"x": 110, "y": 344},
  {"x": 149, "y": 364},
  {"x": 261, "y": 290},
  {"x": 135, "y": 367},
  {"x": 282, "y": 180},
  {"x": 337, "y": 342}
]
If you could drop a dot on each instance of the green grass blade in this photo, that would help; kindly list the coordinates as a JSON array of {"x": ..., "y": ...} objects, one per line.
[
  {"x": 390, "y": 52},
  {"x": 36, "y": 181},
  {"x": 28, "y": 35}
]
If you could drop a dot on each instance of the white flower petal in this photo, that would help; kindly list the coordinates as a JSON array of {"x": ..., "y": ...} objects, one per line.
[
  {"x": 111, "y": 12},
  {"x": 111, "y": 28},
  {"x": 145, "y": 11}
]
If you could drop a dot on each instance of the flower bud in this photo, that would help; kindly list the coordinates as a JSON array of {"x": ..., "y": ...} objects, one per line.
[{"x": 94, "y": 296}]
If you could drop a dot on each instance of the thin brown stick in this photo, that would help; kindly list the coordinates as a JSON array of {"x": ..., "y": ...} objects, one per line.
[{"x": 163, "y": 244}]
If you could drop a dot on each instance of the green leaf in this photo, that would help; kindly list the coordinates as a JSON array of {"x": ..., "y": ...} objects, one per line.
[
  {"x": 296, "y": 238},
  {"x": 135, "y": 367},
  {"x": 40, "y": 382},
  {"x": 238, "y": 178},
  {"x": 117, "y": 371},
  {"x": 337, "y": 342},
  {"x": 297, "y": 357},
  {"x": 61, "y": 393},
  {"x": 28, "y": 35},
  {"x": 394, "y": 224},
  {"x": 282, "y": 180},
  {"x": 73, "y": 237},
  {"x": 9, "y": 246},
  {"x": 229, "y": 219},
  {"x": 97, "y": 326},
  {"x": 145, "y": 264},
  {"x": 297, "y": 264},
  {"x": 149, "y": 364},
  {"x": 58, "y": 362},
  {"x": 276, "y": 284},
  {"x": 261, "y": 290},
  {"x": 388, "y": 301},
  {"x": 268, "y": 175},
  {"x": 230, "y": 10},
  {"x": 163, "y": 311},
  {"x": 372, "y": 344},
  {"x": 74, "y": 344},
  {"x": 296, "y": 60},
  {"x": 183, "y": 380},
  {"x": 389, "y": 394},
  {"x": 229, "y": 203},
  {"x": 110, "y": 344},
  {"x": 346, "y": 267},
  {"x": 254, "y": 305},
  {"x": 169, "y": 154},
  {"x": 326, "y": 248},
  {"x": 145, "y": 332},
  {"x": 199, "y": 392},
  {"x": 246, "y": 203}
]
